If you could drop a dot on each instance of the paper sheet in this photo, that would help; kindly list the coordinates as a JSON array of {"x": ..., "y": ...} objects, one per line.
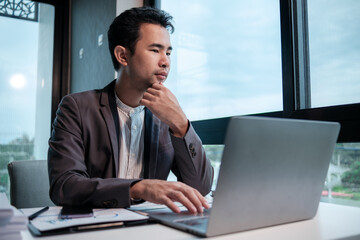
[{"x": 50, "y": 220}]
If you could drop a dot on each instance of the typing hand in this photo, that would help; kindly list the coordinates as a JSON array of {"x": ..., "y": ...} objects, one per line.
[
  {"x": 163, "y": 192},
  {"x": 163, "y": 103}
]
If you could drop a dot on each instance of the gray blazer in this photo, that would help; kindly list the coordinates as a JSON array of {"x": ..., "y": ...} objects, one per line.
[{"x": 83, "y": 156}]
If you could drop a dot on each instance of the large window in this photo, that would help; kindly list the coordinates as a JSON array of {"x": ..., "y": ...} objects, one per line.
[
  {"x": 227, "y": 57},
  {"x": 334, "y": 46},
  {"x": 26, "y": 47}
]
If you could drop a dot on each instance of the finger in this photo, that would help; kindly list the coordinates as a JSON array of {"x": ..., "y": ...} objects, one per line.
[
  {"x": 168, "y": 202},
  {"x": 180, "y": 197},
  {"x": 152, "y": 91},
  {"x": 205, "y": 203},
  {"x": 194, "y": 198},
  {"x": 203, "y": 200},
  {"x": 144, "y": 102},
  {"x": 149, "y": 101},
  {"x": 157, "y": 86},
  {"x": 149, "y": 96},
  {"x": 194, "y": 195}
]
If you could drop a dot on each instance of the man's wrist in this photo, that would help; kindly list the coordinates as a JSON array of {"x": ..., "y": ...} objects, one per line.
[
  {"x": 181, "y": 131},
  {"x": 134, "y": 190}
]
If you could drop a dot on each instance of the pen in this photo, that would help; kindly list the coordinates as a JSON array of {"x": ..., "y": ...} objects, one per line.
[{"x": 34, "y": 215}]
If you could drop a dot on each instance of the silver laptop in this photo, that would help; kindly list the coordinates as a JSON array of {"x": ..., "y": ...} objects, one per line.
[{"x": 272, "y": 172}]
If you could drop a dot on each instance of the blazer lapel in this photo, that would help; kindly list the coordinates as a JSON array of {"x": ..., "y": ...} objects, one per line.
[
  {"x": 150, "y": 145},
  {"x": 151, "y": 142},
  {"x": 109, "y": 111}
]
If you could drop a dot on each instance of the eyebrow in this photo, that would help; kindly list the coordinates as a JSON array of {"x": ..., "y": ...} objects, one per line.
[{"x": 160, "y": 46}]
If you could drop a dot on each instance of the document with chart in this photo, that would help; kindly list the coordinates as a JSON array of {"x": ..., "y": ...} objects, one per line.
[{"x": 50, "y": 219}]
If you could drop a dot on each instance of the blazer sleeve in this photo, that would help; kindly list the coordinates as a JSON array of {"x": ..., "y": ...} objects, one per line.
[
  {"x": 70, "y": 181},
  {"x": 191, "y": 164}
]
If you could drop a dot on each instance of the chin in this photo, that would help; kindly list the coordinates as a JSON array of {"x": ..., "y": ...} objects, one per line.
[{"x": 161, "y": 81}]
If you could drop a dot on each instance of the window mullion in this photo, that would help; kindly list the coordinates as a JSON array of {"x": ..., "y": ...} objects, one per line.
[{"x": 302, "y": 91}]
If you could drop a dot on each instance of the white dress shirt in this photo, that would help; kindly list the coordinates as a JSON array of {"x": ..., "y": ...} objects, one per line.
[{"x": 131, "y": 155}]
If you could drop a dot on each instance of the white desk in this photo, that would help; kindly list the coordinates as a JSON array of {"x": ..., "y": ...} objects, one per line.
[{"x": 331, "y": 222}]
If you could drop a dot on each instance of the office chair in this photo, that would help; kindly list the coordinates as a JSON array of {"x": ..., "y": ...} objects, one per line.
[{"x": 29, "y": 184}]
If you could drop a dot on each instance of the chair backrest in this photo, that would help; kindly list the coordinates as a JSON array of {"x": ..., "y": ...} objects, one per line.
[{"x": 29, "y": 184}]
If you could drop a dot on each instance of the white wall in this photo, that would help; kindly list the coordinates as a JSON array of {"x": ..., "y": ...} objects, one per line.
[{"x": 122, "y": 5}]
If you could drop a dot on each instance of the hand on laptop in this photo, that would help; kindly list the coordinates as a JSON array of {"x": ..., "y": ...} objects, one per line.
[{"x": 163, "y": 192}]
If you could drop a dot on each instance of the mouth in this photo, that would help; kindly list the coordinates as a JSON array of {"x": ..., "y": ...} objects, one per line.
[{"x": 161, "y": 76}]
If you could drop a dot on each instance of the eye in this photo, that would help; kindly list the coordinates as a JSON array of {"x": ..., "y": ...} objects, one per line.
[
  {"x": 155, "y": 50},
  {"x": 168, "y": 53}
]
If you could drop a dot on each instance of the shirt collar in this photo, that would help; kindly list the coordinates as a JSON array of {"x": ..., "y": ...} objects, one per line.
[{"x": 127, "y": 109}]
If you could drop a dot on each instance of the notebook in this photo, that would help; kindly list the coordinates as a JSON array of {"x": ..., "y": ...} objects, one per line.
[{"x": 272, "y": 172}]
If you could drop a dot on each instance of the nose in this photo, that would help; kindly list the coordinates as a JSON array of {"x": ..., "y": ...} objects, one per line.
[{"x": 164, "y": 61}]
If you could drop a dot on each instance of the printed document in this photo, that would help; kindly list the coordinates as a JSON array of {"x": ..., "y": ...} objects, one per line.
[{"x": 50, "y": 219}]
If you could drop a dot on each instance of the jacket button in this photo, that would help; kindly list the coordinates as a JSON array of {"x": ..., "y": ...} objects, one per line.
[
  {"x": 192, "y": 150},
  {"x": 191, "y": 147},
  {"x": 114, "y": 203},
  {"x": 110, "y": 203}
]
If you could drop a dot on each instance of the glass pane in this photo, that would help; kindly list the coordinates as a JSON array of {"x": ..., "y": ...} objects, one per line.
[
  {"x": 334, "y": 33},
  {"x": 214, "y": 153},
  {"x": 227, "y": 57},
  {"x": 342, "y": 184},
  {"x": 26, "y": 59}
]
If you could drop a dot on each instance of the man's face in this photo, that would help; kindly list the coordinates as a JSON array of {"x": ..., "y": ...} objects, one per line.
[{"x": 151, "y": 60}]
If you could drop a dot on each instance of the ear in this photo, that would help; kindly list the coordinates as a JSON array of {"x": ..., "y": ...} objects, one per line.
[{"x": 120, "y": 54}]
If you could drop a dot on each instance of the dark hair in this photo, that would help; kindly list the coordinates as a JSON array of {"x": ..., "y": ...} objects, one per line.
[{"x": 124, "y": 30}]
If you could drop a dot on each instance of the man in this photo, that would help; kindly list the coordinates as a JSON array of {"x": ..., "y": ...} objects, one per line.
[{"x": 115, "y": 146}]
